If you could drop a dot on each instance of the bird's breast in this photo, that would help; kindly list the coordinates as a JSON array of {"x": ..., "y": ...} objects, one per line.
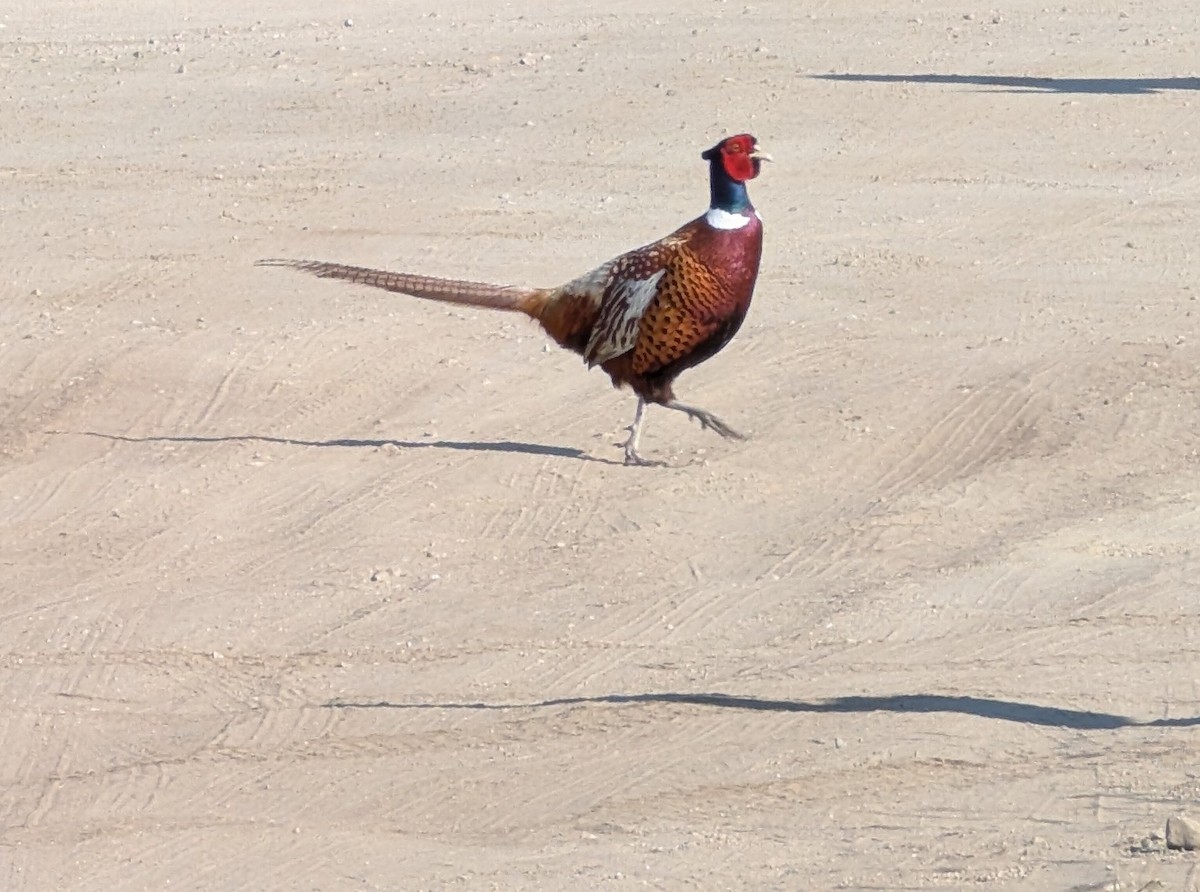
[{"x": 731, "y": 254}]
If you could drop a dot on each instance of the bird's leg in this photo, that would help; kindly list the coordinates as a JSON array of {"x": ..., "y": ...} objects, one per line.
[
  {"x": 635, "y": 431},
  {"x": 707, "y": 420}
]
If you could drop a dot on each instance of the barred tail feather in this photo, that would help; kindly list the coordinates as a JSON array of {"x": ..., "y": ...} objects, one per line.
[{"x": 454, "y": 291}]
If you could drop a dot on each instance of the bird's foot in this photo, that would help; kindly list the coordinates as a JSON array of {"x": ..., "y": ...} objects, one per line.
[
  {"x": 707, "y": 420},
  {"x": 633, "y": 459}
]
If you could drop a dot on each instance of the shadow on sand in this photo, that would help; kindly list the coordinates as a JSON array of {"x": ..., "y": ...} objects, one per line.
[
  {"x": 983, "y": 707},
  {"x": 1119, "y": 86},
  {"x": 351, "y": 443}
]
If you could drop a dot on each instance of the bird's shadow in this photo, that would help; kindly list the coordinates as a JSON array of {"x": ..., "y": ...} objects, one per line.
[
  {"x": 357, "y": 443},
  {"x": 982, "y": 707},
  {"x": 1120, "y": 86}
]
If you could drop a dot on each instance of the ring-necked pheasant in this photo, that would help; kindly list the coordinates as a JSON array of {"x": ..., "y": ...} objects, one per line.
[{"x": 644, "y": 316}]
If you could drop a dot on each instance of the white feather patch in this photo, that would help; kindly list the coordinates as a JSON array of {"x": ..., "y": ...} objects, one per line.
[
  {"x": 621, "y": 312},
  {"x": 719, "y": 219}
]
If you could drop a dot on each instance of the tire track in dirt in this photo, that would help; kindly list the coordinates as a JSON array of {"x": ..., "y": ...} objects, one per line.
[
  {"x": 220, "y": 394},
  {"x": 254, "y": 745},
  {"x": 331, "y": 516},
  {"x": 261, "y": 367},
  {"x": 672, "y": 625},
  {"x": 47, "y": 681},
  {"x": 45, "y": 794},
  {"x": 988, "y": 424},
  {"x": 121, "y": 280},
  {"x": 584, "y": 506},
  {"x": 974, "y": 428},
  {"x": 701, "y": 609},
  {"x": 966, "y": 432},
  {"x": 540, "y": 504},
  {"x": 282, "y": 718},
  {"x": 541, "y": 486},
  {"x": 29, "y": 416},
  {"x": 125, "y": 792},
  {"x": 596, "y": 757},
  {"x": 252, "y": 846}
]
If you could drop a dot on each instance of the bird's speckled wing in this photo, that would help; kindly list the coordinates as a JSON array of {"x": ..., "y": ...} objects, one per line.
[
  {"x": 626, "y": 289},
  {"x": 689, "y": 307}
]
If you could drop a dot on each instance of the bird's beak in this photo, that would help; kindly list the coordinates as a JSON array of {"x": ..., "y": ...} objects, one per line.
[{"x": 759, "y": 155}]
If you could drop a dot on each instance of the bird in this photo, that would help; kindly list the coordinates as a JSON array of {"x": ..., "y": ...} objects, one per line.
[{"x": 643, "y": 317}]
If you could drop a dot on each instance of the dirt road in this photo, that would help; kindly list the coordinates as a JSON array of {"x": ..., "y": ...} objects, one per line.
[{"x": 305, "y": 586}]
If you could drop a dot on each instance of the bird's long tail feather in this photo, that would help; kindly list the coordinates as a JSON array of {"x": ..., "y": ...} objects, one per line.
[{"x": 453, "y": 291}]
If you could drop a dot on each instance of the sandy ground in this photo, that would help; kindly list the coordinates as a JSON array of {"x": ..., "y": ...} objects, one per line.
[{"x": 304, "y": 586}]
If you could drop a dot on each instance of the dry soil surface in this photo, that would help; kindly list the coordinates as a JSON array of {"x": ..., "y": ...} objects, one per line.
[{"x": 309, "y": 586}]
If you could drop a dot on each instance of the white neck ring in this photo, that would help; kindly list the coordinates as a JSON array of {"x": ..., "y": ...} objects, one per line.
[{"x": 719, "y": 219}]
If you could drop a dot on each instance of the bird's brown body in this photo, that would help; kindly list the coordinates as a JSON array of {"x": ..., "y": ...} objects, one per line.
[{"x": 643, "y": 317}]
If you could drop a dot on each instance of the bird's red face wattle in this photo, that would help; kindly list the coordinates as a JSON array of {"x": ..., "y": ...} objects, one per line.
[{"x": 741, "y": 157}]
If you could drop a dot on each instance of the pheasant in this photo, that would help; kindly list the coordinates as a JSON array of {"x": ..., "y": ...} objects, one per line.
[{"x": 643, "y": 317}]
